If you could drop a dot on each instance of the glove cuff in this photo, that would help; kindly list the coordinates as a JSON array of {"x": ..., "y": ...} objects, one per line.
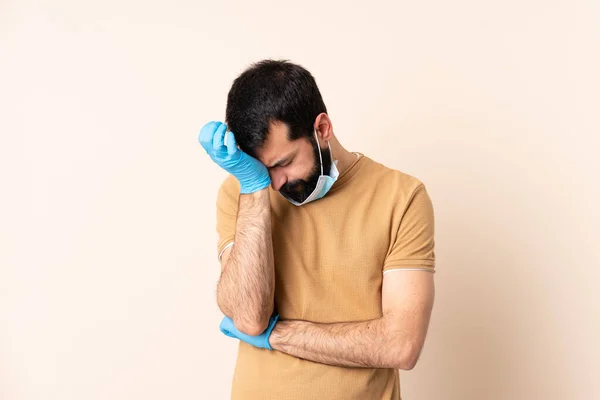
[
  {"x": 254, "y": 186},
  {"x": 270, "y": 328}
]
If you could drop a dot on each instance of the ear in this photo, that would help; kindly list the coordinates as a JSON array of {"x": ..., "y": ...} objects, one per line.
[{"x": 324, "y": 127}]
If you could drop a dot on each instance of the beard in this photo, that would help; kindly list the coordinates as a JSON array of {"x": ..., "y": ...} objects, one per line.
[{"x": 300, "y": 189}]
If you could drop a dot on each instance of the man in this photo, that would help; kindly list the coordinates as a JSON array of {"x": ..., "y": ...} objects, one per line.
[{"x": 327, "y": 257}]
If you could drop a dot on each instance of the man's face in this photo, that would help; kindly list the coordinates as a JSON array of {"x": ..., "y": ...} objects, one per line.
[{"x": 294, "y": 166}]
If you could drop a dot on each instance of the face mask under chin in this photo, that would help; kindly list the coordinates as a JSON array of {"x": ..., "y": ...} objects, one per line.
[{"x": 300, "y": 189}]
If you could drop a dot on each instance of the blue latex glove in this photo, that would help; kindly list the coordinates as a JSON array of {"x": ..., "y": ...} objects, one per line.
[
  {"x": 251, "y": 173},
  {"x": 261, "y": 341}
]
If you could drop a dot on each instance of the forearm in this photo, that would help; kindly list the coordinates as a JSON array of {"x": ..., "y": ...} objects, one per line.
[
  {"x": 374, "y": 343},
  {"x": 246, "y": 287}
]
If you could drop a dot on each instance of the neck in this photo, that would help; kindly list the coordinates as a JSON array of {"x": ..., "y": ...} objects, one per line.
[{"x": 343, "y": 156}]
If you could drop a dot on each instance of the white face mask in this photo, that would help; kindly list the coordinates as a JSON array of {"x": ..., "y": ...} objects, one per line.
[{"x": 324, "y": 183}]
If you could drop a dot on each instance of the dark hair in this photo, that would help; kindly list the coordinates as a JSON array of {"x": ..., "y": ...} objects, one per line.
[{"x": 269, "y": 91}]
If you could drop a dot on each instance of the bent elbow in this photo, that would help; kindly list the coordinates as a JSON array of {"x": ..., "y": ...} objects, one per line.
[
  {"x": 252, "y": 328},
  {"x": 408, "y": 364},
  {"x": 406, "y": 359}
]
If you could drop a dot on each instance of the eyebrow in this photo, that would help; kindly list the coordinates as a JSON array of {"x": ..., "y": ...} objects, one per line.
[{"x": 282, "y": 160}]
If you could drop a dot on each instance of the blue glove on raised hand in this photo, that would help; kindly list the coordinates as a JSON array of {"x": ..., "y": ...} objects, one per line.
[
  {"x": 251, "y": 173},
  {"x": 261, "y": 341}
]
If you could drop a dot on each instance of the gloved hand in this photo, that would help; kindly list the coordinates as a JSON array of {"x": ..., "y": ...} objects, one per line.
[
  {"x": 261, "y": 341},
  {"x": 251, "y": 173}
]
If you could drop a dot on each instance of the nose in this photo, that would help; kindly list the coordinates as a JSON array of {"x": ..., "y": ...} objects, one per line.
[{"x": 278, "y": 179}]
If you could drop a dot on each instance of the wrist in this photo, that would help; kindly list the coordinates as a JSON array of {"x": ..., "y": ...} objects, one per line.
[
  {"x": 257, "y": 193},
  {"x": 275, "y": 340},
  {"x": 281, "y": 335},
  {"x": 253, "y": 188},
  {"x": 259, "y": 202}
]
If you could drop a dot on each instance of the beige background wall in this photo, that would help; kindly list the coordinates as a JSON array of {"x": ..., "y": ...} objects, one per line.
[{"x": 107, "y": 242}]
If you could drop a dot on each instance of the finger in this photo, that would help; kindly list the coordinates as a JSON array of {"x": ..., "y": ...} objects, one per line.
[
  {"x": 231, "y": 143},
  {"x": 206, "y": 134},
  {"x": 218, "y": 137}
]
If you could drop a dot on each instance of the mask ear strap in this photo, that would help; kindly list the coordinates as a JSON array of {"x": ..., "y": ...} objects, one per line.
[{"x": 319, "y": 147}]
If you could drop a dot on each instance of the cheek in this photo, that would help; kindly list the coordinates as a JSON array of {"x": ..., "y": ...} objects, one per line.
[
  {"x": 294, "y": 173},
  {"x": 300, "y": 171},
  {"x": 303, "y": 166}
]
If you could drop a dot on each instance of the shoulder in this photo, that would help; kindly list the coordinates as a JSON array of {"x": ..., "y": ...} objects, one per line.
[
  {"x": 399, "y": 185},
  {"x": 229, "y": 191},
  {"x": 230, "y": 185}
]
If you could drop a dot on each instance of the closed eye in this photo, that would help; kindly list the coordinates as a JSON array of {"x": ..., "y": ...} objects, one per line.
[{"x": 283, "y": 162}]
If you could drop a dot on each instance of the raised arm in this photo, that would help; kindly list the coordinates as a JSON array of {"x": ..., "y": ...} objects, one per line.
[{"x": 245, "y": 289}]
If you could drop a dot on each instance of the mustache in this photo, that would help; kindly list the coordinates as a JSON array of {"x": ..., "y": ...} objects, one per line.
[{"x": 297, "y": 186}]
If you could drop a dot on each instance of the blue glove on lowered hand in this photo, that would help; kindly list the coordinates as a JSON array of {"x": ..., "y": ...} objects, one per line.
[
  {"x": 261, "y": 341},
  {"x": 251, "y": 173}
]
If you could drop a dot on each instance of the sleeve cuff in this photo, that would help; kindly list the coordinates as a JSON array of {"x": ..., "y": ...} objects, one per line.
[{"x": 427, "y": 265}]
